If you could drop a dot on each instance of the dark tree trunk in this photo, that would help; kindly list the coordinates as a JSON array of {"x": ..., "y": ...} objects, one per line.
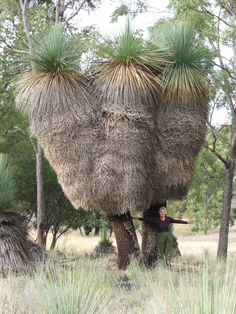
[
  {"x": 53, "y": 243},
  {"x": 87, "y": 230},
  {"x": 96, "y": 231},
  {"x": 225, "y": 216},
  {"x": 41, "y": 232},
  {"x": 149, "y": 238},
  {"x": 149, "y": 245},
  {"x": 126, "y": 238}
]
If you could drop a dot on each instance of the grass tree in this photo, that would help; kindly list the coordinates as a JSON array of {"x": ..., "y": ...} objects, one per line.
[
  {"x": 130, "y": 138},
  {"x": 181, "y": 119},
  {"x": 127, "y": 85},
  {"x": 100, "y": 150},
  {"x": 15, "y": 246}
]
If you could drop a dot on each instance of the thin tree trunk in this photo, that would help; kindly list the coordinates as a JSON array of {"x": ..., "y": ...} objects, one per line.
[
  {"x": 54, "y": 241},
  {"x": 96, "y": 231},
  {"x": 41, "y": 232},
  {"x": 41, "y": 236},
  {"x": 225, "y": 216},
  {"x": 126, "y": 238}
]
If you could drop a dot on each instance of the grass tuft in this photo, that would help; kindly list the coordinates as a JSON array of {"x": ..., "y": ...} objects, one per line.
[
  {"x": 188, "y": 60},
  {"x": 55, "y": 51}
]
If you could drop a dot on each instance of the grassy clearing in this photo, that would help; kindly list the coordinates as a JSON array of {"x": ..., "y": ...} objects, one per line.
[{"x": 78, "y": 284}]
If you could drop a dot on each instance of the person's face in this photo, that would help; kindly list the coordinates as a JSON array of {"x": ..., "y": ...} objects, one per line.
[{"x": 162, "y": 212}]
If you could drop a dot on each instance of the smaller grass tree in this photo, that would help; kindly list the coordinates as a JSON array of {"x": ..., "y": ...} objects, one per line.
[{"x": 15, "y": 254}]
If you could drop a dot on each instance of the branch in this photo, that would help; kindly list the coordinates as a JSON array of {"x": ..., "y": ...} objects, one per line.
[
  {"x": 225, "y": 69},
  {"x": 226, "y": 82},
  {"x": 204, "y": 10},
  {"x": 24, "y": 5},
  {"x": 75, "y": 13},
  {"x": 66, "y": 229},
  {"x": 222, "y": 159},
  {"x": 233, "y": 148},
  {"x": 213, "y": 149},
  {"x": 16, "y": 50},
  {"x": 18, "y": 129},
  {"x": 210, "y": 175}
]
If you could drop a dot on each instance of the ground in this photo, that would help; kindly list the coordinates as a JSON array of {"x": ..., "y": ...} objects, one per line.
[{"x": 189, "y": 243}]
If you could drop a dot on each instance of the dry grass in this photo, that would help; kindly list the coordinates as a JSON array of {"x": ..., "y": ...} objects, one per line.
[
  {"x": 190, "y": 244},
  {"x": 81, "y": 285}
]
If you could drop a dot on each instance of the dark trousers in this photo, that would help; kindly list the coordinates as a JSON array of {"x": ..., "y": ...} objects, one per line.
[{"x": 165, "y": 246}]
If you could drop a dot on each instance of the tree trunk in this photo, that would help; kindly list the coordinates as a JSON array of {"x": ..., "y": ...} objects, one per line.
[
  {"x": 126, "y": 238},
  {"x": 54, "y": 241},
  {"x": 96, "y": 231},
  {"x": 225, "y": 216},
  {"x": 149, "y": 245},
  {"x": 41, "y": 232},
  {"x": 149, "y": 238}
]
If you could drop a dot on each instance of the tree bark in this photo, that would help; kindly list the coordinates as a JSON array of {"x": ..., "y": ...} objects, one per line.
[
  {"x": 149, "y": 245},
  {"x": 126, "y": 238},
  {"x": 149, "y": 238},
  {"x": 41, "y": 232},
  {"x": 225, "y": 216}
]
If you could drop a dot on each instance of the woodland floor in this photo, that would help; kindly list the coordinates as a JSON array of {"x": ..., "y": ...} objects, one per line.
[{"x": 190, "y": 243}]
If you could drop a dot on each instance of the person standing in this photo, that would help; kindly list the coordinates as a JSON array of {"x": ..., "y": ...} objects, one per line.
[{"x": 164, "y": 235}]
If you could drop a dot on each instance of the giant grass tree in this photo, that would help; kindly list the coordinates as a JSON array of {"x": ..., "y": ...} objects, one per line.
[
  {"x": 106, "y": 147},
  {"x": 101, "y": 161},
  {"x": 15, "y": 247}
]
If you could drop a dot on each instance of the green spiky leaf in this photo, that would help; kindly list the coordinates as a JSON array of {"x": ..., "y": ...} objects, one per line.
[
  {"x": 185, "y": 73},
  {"x": 54, "y": 88},
  {"x": 55, "y": 51},
  {"x": 7, "y": 184},
  {"x": 130, "y": 73}
]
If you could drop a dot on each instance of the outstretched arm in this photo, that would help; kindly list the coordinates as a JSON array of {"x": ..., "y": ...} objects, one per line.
[{"x": 179, "y": 221}]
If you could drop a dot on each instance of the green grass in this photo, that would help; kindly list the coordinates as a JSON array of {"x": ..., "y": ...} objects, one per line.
[{"x": 81, "y": 285}]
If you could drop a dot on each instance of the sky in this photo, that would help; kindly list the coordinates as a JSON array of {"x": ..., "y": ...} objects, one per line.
[
  {"x": 158, "y": 9},
  {"x": 102, "y": 16}
]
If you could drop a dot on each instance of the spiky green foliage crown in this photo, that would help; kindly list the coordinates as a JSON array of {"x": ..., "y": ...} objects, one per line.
[
  {"x": 54, "y": 87},
  {"x": 125, "y": 48},
  {"x": 7, "y": 184},
  {"x": 129, "y": 74},
  {"x": 184, "y": 75},
  {"x": 55, "y": 51}
]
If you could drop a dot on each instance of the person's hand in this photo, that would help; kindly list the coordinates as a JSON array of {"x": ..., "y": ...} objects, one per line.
[{"x": 191, "y": 221}]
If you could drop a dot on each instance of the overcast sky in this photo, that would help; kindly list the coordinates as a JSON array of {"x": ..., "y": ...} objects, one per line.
[{"x": 102, "y": 16}]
